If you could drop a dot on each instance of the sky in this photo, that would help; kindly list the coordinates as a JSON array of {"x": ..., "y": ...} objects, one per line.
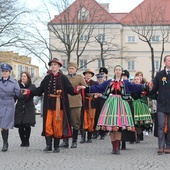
[{"x": 115, "y": 5}]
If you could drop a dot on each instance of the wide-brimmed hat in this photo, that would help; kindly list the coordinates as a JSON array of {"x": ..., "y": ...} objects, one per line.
[
  {"x": 72, "y": 64},
  {"x": 88, "y": 71},
  {"x": 55, "y": 60},
  {"x": 6, "y": 67}
]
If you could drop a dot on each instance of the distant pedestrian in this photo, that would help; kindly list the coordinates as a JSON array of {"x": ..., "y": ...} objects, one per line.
[
  {"x": 25, "y": 110},
  {"x": 8, "y": 89}
]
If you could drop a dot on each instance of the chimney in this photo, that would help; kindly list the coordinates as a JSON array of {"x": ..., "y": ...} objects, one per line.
[{"x": 105, "y": 6}]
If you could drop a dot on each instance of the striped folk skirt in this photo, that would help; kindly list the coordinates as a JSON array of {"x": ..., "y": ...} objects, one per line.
[
  {"x": 115, "y": 115},
  {"x": 142, "y": 114}
]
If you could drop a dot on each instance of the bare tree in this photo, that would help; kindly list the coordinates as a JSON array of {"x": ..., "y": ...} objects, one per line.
[
  {"x": 149, "y": 24},
  {"x": 10, "y": 13}
]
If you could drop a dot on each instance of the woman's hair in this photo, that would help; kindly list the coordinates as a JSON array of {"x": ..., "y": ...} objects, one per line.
[
  {"x": 28, "y": 76},
  {"x": 143, "y": 79},
  {"x": 118, "y": 66},
  {"x": 139, "y": 72}
]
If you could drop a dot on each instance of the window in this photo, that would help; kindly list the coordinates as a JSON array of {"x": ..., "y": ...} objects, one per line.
[
  {"x": 83, "y": 14},
  {"x": 101, "y": 37},
  {"x": 83, "y": 64},
  {"x": 131, "y": 39},
  {"x": 131, "y": 65},
  {"x": 99, "y": 63},
  {"x": 65, "y": 37},
  {"x": 64, "y": 63},
  {"x": 83, "y": 38},
  {"x": 155, "y": 38},
  {"x": 156, "y": 65}
]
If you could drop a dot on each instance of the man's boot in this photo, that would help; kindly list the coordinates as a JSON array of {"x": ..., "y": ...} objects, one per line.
[
  {"x": 56, "y": 145},
  {"x": 83, "y": 136},
  {"x": 48, "y": 144},
  {"x": 22, "y": 136},
  {"x": 74, "y": 142},
  {"x": 102, "y": 134},
  {"x": 27, "y": 136},
  {"x": 4, "y": 134},
  {"x": 64, "y": 144},
  {"x": 89, "y": 135}
]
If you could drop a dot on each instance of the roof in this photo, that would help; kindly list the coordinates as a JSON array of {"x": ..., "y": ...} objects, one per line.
[
  {"x": 119, "y": 16},
  {"x": 96, "y": 12},
  {"x": 149, "y": 12}
]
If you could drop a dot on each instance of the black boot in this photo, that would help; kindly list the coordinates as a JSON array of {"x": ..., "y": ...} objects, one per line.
[
  {"x": 65, "y": 143},
  {"x": 48, "y": 143},
  {"x": 89, "y": 135},
  {"x": 74, "y": 142},
  {"x": 22, "y": 136},
  {"x": 102, "y": 134},
  {"x": 123, "y": 145},
  {"x": 27, "y": 135},
  {"x": 83, "y": 136},
  {"x": 5, "y": 140},
  {"x": 56, "y": 145}
]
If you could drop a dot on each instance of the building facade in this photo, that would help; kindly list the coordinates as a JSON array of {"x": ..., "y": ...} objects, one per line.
[
  {"x": 114, "y": 36},
  {"x": 19, "y": 64}
]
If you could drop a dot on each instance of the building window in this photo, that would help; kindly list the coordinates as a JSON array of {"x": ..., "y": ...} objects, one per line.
[
  {"x": 99, "y": 63},
  {"x": 155, "y": 38},
  {"x": 131, "y": 65},
  {"x": 131, "y": 39},
  {"x": 83, "y": 14},
  {"x": 83, "y": 38},
  {"x": 65, "y": 64},
  {"x": 32, "y": 72},
  {"x": 65, "y": 37},
  {"x": 156, "y": 65},
  {"x": 83, "y": 64},
  {"x": 101, "y": 37}
]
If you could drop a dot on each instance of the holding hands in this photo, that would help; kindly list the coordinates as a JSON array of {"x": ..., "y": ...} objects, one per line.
[{"x": 80, "y": 87}]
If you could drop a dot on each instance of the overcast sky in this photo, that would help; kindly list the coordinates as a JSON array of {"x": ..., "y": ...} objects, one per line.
[{"x": 115, "y": 5}]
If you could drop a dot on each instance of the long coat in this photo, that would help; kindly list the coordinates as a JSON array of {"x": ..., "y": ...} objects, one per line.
[
  {"x": 8, "y": 90},
  {"x": 66, "y": 88},
  {"x": 162, "y": 86},
  {"x": 25, "y": 109}
]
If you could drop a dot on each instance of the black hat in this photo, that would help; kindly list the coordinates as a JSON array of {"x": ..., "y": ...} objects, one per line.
[
  {"x": 125, "y": 73},
  {"x": 103, "y": 70}
]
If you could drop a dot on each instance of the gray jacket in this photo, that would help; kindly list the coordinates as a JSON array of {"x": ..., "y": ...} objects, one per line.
[{"x": 7, "y": 104}]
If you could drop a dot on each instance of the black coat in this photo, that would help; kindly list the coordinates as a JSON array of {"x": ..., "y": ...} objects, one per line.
[
  {"x": 66, "y": 87},
  {"x": 25, "y": 109},
  {"x": 162, "y": 86}
]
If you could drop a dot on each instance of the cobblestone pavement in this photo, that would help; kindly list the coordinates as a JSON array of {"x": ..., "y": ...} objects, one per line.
[{"x": 93, "y": 156}]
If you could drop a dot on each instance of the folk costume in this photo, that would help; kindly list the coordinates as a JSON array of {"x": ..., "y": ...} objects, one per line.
[
  {"x": 89, "y": 112},
  {"x": 8, "y": 89},
  {"x": 75, "y": 106},
  {"x": 115, "y": 115},
  {"x": 142, "y": 115},
  {"x": 56, "y": 108}
]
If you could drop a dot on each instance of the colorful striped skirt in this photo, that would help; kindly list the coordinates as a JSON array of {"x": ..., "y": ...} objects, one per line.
[
  {"x": 115, "y": 115},
  {"x": 142, "y": 114}
]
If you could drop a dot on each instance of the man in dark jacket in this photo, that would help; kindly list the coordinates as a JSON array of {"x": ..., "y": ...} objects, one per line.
[
  {"x": 161, "y": 84},
  {"x": 56, "y": 108}
]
